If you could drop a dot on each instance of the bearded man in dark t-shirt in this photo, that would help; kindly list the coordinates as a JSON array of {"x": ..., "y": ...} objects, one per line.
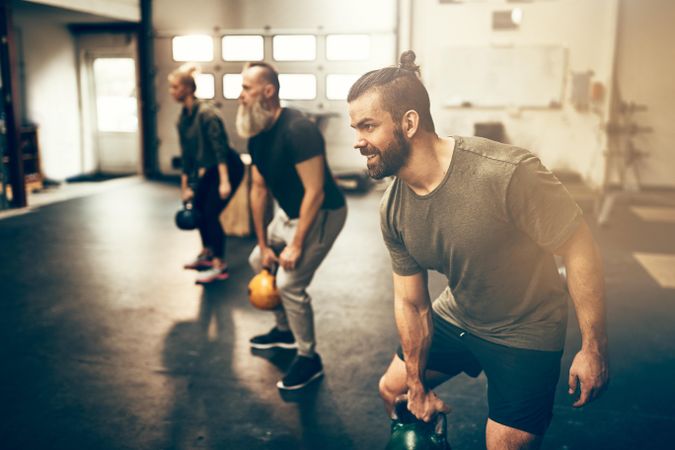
[
  {"x": 490, "y": 217},
  {"x": 289, "y": 162}
]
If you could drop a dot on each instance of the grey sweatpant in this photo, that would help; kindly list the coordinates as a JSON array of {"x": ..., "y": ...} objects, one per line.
[{"x": 295, "y": 312}]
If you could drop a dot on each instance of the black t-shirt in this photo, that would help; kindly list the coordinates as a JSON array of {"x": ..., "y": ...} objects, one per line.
[{"x": 275, "y": 152}]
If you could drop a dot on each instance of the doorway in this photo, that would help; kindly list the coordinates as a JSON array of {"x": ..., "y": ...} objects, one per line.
[
  {"x": 110, "y": 104},
  {"x": 116, "y": 140}
]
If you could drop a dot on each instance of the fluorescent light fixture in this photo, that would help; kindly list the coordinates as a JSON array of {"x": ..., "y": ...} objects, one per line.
[
  {"x": 192, "y": 48},
  {"x": 297, "y": 86},
  {"x": 347, "y": 47},
  {"x": 232, "y": 85},
  {"x": 297, "y": 47},
  {"x": 338, "y": 85},
  {"x": 243, "y": 48},
  {"x": 206, "y": 85}
]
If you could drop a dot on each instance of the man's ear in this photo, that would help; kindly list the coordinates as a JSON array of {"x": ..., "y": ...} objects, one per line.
[
  {"x": 410, "y": 123},
  {"x": 268, "y": 91}
]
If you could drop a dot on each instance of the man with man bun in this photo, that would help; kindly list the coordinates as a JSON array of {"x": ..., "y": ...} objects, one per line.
[{"x": 490, "y": 217}]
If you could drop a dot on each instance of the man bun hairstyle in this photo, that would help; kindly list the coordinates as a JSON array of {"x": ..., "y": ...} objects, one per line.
[
  {"x": 400, "y": 90},
  {"x": 407, "y": 62}
]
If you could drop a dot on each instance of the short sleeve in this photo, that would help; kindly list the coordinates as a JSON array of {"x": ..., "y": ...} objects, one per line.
[
  {"x": 540, "y": 206},
  {"x": 304, "y": 141},
  {"x": 402, "y": 263}
]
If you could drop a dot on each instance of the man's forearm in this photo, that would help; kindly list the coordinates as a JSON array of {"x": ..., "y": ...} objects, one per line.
[
  {"x": 309, "y": 208},
  {"x": 222, "y": 172},
  {"x": 415, "y": 328},
  {"x": 183, "y": 181},
  {"x": 258, "y": 201},
  {"x": 587, "y": 289}
]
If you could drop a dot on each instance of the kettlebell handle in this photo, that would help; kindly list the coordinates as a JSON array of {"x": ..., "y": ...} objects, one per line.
[
  {"x": 441, "y": 427},
  {"x": 403, "y": 414},
  {"x": 271, "y": 270}
]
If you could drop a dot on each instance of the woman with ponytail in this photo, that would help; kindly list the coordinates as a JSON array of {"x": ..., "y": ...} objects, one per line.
[{"x": 211, "y": 171}]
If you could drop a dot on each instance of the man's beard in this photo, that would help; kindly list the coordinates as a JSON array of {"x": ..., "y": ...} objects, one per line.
[
  {"x": 253, "y": 119},
  {"x": 389, "y": 161}
]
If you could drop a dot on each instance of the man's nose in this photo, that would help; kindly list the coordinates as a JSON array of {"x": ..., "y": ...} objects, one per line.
[{"x": 360, "y": 143}]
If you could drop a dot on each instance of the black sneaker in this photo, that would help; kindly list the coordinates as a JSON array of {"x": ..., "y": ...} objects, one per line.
[
  {"x": 303, "y": 371},
  {"x": 275, "y": 338}
]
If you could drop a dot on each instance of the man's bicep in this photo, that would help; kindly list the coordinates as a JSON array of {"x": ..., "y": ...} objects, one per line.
[
  {"x": 411, "y": 288},
  {"x": 579, "y": 243},
  {"x": 304, "y": 141},
  {"x": 540, "y": 206},
  {"x": 311, "y": 173},
  {"x": 402, "y": 262}
]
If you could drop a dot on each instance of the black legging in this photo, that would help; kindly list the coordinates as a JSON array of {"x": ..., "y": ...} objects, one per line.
[{"x": 209, "y": 204}]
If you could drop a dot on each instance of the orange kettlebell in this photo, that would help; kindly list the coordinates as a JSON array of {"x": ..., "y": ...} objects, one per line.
[{"x": 262, "y": 291}]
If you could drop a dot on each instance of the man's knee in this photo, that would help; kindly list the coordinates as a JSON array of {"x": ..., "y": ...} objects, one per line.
[
  {"x": 389, "y": 390},
  {"x": 498, "y": 437},
  {"x": 291, "y": 293},
  {"x": 291, "y": 288}
]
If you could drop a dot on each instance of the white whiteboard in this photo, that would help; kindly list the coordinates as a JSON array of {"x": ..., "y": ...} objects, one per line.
[{"x": 502, "y": 76}]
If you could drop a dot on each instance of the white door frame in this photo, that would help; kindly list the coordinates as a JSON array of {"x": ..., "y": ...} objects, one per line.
[{"x": 88, "y": 52}]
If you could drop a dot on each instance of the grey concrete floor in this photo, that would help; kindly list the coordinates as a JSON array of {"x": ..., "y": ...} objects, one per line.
[{"x": 108, "y": 344}]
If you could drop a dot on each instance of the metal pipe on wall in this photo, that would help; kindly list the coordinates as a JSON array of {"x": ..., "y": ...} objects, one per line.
[
  {"x": 148, "y": 99},
  {"x": 8, "y": 65}
]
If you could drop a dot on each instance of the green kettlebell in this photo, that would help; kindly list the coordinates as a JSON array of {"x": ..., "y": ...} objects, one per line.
[{"x": 409, "y": 433}]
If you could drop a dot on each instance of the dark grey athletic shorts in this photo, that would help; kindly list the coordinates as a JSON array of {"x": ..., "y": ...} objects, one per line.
[{"x": 521, "y": 383}]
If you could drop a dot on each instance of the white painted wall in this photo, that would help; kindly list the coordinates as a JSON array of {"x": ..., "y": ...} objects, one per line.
[
  {"x": 216, "y": 18},
  {"x": 563, "y": 138},
  {"x": 52, "y": 99},
  {"x": 51, "y": 91},
  {"x": 646, "y": 74},
  {"x": 345, "y": 15},
  {"x": 114, "y": 9}
]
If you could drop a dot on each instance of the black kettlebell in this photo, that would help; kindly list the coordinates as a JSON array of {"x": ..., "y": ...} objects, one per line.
[
  {"x": 410, "y": 433},
  {"x": 188, "y": 218}
]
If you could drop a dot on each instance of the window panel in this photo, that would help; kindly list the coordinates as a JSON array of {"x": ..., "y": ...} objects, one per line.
[
  {"x": 347, "y": 47},
  {"x": 206, "y": 85},
  {"x": 338, "y": 85},
  {"x": 297, "y": 86},
  {"x": 294, "y": 47},
  {"x": 116, "y": 104},
  {"x": 243, "y": 48},
  {"x": 232, "y": 85},
  {"x": 192, "y": 48}
]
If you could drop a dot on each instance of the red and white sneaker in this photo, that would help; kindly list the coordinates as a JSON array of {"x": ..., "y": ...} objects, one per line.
[
  {"x": 201, "y": 262},
  {"x": 213, "y": 274}
]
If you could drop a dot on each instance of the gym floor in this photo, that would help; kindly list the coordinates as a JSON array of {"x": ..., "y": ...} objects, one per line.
[{"x": 108, "y": 344}]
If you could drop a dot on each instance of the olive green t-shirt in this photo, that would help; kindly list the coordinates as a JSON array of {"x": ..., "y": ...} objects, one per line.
[{"x": 491, "y": 227}]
